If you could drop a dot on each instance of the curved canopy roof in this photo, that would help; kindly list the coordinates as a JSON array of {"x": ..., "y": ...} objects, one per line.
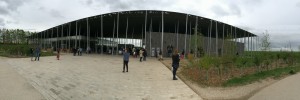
[{"x": 136, "y": 25}]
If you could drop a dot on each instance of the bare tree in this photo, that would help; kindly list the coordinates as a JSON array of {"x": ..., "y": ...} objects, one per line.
[{"x": 265, "y": 42}]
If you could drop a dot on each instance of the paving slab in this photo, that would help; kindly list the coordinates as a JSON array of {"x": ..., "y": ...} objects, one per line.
[
  {"x": 100, "y": 77},
  {"x": 15, "y": 87}
]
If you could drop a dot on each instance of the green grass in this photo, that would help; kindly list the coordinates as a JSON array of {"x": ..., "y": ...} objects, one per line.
[
  {"x": 19, "y": 50},
  {"x": 47, "y": 54},
  {"x": 247, "y": 79}
]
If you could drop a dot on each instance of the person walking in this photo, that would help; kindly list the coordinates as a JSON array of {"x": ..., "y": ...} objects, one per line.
[
  {"x": 160, "y": 55},
  {"x": 80, "y": 51},
  {"x": 145, "y": 54},
  {"x": 175, "y": 63},
  {"x": 125, "y": 60},
  {"x": 134, "y": 53},
  {"x": 74, "y": 51},
  {"x": 182, "y": 54},
  {"x": 141, "y": 54},
  {"x": 58, "y": 54},
  {"x": 31, "y": 53},
  {"x": 37, "y": 53}
]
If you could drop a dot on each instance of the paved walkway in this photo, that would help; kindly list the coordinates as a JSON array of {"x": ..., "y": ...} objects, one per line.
[
  {"x": 15, "y": 87},
  {"x": 285, "y": 89},
  {"x": 100, "y": 77}
]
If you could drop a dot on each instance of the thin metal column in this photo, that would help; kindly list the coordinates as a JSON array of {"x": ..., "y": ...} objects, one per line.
[
  {"x": 223, "y": 40},
  {"x": 97, "y": 37},
  {"x": 76, "y": 37},
  {"x": 150, "y": 40},
  {"x": 133, "y": 40},
  {"x": 244, "y": 38},
  {"x": 231, "y": 43},
  {"x": 235, "y": 40},
  {"x": 118, "y": 32},
  {"x": 190, "y": 38},
  {"x": 61, "y": 38},
  {"x": 146, "y": 30},
  {"x": 112, "y": 50},
  {"x": 186, "y": 22},
  {"x": 248, "y": 43},
  {"x": 217, "y": 52},
  {"x": 70, "y": 36},
  {"x": 210, "y": 33},
  {"x": 126, "y": 33},
  {"x": 141, "y": 43},
  {"x": 101, "y": 39},
  {"x": 257, "y": 43},
  {"x": 251, "y": 46},
  {"x": 207, "y": 46},
  {"x": 87, "y": 33},
  {"x": 162, "y": 32},
  {"x": 56, "y": 38},
  {"x": 44, "y": 42},
  {"x": 51, "y": 40},
  {"x": 173, "y": 38},
  {"x": 177, "y": 34},
  {"x": 79, "y": 41},
  {"x": 196, "y": 37},
  {"x": 48, "y": 38}
]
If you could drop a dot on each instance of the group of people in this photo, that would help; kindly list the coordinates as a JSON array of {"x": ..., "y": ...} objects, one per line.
[
  {"x": 143, "y": 52},
  {"x": 78, "y": 51}
]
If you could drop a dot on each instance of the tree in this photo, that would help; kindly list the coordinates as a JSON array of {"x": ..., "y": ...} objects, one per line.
[
  {"x": 1, "y": 36},
  {"x": 206, "y": 62},
  {"x": 15, "y": 36},
  {"x": 265, "y": 42},
  {"x": 241, "y": 63}
]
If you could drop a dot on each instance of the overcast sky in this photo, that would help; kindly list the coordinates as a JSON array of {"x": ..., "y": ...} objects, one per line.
[{"x": 280, "y": 17}]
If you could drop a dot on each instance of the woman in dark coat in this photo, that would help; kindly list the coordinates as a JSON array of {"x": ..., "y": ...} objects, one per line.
[{"x": 175, "y": 63}]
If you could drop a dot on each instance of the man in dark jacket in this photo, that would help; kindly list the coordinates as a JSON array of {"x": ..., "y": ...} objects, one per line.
[
  {"x": 37, "y": 53},
  {"x": 126, "y": 55},
  {"x": 175, "y": 63},
  {"x": 145, "y": 54}
]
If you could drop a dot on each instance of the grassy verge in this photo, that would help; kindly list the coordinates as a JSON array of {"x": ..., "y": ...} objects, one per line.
[
  {"x": 48, "y": 53},
  {"x": 19, "y": 51},
  {"x": 275, "y": 73}
]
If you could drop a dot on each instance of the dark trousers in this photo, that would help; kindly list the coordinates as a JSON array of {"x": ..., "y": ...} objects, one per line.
[
  {"x": 144, "y": 58},
  {"x": 125, "y": 64},
  {"x": 141, "y": 59},
  {"x": 174, "y": 71},
  {"x": 37, "y": 55}
]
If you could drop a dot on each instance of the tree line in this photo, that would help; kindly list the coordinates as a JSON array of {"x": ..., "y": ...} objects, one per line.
[{"x": 14, "y": 36}]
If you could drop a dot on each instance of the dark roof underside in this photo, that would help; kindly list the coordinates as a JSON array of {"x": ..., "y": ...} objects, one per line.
[{"x": 136, "y": 25}]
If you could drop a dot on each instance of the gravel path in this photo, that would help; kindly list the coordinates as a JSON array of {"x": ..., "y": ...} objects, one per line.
[{"x": 285, "y": 89}]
